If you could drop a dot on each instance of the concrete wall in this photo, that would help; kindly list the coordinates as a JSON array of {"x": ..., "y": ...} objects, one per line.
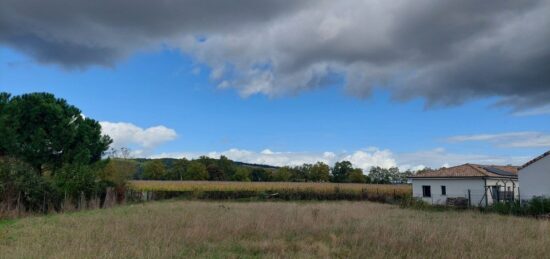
[
  {"x": 459, "y": 188},
  {"x": 535, "y": 179},
  {"x": 455, "y": 188}
]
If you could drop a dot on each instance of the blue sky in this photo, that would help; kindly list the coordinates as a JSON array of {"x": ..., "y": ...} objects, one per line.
[
  {"x": 379, "y": 83},
  {"x": 165, "y": 87}
]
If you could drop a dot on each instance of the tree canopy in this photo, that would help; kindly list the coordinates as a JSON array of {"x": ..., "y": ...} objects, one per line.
[
  {"x": 154, "y": 170},
  {"x": 341, "y": 171},
  {"x": 47, "y": 132}
]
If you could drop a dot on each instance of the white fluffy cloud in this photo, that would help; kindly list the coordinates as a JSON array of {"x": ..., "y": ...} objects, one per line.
[
  {"x": 371, "y": 157},
  {"x": 361, "y": 158},
  {"x": 141, "y": 141},
  {"x": 523, "y": 139},
  {"x": 440, "y": 157}
]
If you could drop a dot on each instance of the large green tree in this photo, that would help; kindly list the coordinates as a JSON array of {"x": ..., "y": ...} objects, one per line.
[
  {"x": 319, "y": 172},
  {"x": 356, "y": 176},
  {"x": 177, "y": 170},
  {"x": 260, "y": 175},
  {"x": 241, "y": 174},
  {"x": 196, "y": 171},
  {"x": 383, "y": 175},
  {"x": 226, "y": 166},
  {"x": 341, "y": 171},
  {"x": 47, "y": 132},
  {"x": 215, "y": 173},
  {"x": 154, "y": 170},
  {"x": 283, "y": 174}
]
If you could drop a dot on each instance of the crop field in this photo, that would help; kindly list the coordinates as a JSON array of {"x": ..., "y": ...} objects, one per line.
[
  {"x": 284, "y": 190},
  {"x": 222, "y": 229}
]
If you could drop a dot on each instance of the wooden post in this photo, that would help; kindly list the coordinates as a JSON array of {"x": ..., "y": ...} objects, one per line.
[
  {"x": 18, "y": 201},
  {"x": 44, "y": 203},
  {"x": 469, "y": 199}
]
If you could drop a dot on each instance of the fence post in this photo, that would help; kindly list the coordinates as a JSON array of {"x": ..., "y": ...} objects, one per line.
[
  {"x": 44, "y": 202},
  {"x": 487, "y": 198},
  {"x": 469, "y": 199},
  {"x": 18, "y": 202}
]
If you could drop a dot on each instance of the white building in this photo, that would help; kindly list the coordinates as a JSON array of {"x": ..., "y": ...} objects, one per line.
[
  {"x": 534, "y": 177},
  {"x": 480, "y": 184}
]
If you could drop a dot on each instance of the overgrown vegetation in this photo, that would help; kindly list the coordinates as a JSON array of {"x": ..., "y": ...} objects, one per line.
[
  {"x": 50, "y": 155},
  {"x": 192, "y": 229},
  {"x": 538, "y": 206}
]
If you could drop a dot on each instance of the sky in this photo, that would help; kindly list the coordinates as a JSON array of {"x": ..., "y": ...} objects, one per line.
[{"x": 379, "y": 83}]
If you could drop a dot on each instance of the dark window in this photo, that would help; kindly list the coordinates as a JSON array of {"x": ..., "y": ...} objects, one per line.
[
  {"x": 426, "y": 191},
  {"x": 443, "y": 190}
]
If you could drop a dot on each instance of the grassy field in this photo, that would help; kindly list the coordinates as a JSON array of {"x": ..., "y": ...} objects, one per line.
[
  {"x": 172, "y": 229},
  {"x": 283, "y": 189}
]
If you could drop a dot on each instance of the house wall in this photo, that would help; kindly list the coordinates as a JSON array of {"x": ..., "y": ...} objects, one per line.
[
  {"x": 455, "y": 188},
  {"x": 535, "y": 179}
]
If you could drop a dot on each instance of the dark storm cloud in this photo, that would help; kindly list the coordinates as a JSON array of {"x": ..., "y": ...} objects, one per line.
[
  {"x": 81, "y": 32},
  {"x": 447, "y": 52}
]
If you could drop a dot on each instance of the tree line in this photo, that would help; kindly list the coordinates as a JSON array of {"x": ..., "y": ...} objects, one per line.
[{"x": 223, "y": 169}]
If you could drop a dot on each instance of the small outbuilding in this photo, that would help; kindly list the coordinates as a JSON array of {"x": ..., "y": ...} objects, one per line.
[
  {"x": 477, "y": 185},
  {"x": 534, "y": 177}
]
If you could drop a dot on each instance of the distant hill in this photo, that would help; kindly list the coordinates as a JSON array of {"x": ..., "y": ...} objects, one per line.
[
  {"x": 169, "y": 161},
  {"x": 255, "y": 165}
]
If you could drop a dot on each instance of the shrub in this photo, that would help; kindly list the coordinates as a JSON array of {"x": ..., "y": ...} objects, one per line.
[
  {"x": 73, "y": 181},
  {"x": 411, "y": 202},
  {"x": 117, "y": 172},
  {"x": 538, "y": 206},
  {"x": 21, "y": 185},
  {"x": 510, "y": 208}
]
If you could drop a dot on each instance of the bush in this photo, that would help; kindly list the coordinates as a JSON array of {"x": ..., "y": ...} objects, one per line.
[
  {"x": 73, "y": 181},
  {"x": 23, "y": 189},
  {"x": 117, "y": 172},
  {"x": 414, "y": 203},
  {"x": 510, "y": 208},
  {"x": 21, "y": 185},
  {"x": 535, "y": 207},
  {"x": 538, "y": 206}
]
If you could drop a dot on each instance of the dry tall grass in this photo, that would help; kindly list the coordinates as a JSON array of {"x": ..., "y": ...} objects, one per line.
[{"x": 273, "y": 229}]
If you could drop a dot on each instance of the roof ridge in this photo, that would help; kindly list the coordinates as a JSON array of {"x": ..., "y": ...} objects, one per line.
[
  {"x": 535, "y": 160},
  {"x": 477, "y": 169}
]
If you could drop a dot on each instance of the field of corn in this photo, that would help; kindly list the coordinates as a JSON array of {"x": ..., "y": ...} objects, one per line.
[{"x": 268, "y": 190}]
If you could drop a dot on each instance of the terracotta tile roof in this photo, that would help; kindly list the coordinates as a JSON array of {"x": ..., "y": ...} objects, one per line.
[
  {"x": 472, "y": 170},
  {"x": 535, "y": 159}
]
